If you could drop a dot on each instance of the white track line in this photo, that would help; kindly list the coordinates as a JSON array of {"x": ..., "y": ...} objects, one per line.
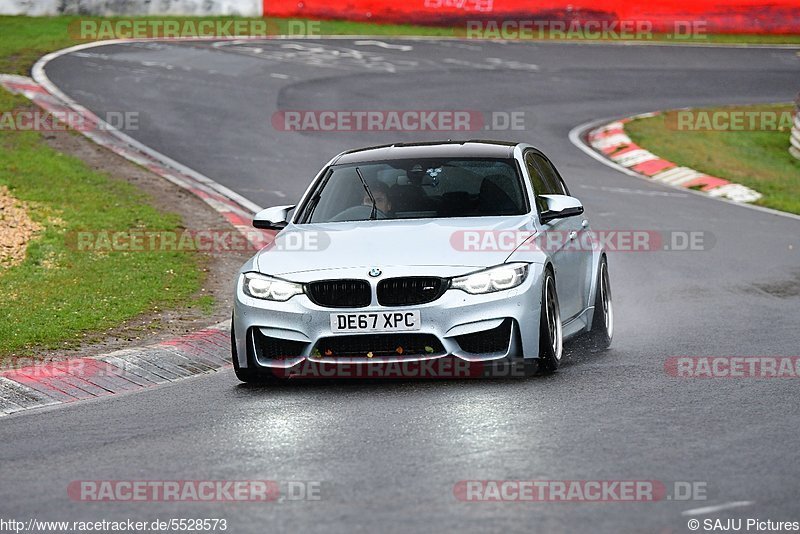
[
  {"x": 40, "y": 77},
  {"x": 381, "y": 44},
  {"x": 716, "y": 508}
]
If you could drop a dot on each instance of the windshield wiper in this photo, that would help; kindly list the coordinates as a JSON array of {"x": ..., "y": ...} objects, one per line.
[{"x": 374, "y": 213}]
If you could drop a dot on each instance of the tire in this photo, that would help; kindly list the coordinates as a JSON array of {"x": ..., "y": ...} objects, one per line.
[
  {"x": 247, "y": 375},
  {"x": 602, "y": 330},
  {"x": 551, "y": 340}
]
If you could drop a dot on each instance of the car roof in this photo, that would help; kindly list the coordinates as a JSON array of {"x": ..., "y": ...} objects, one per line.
[{"x": 434, "y": 149}]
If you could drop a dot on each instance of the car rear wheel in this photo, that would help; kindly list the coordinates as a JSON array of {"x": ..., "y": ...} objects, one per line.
[
  {"x": 603, "y": 319},
  {"x": 550, "y": 329}
]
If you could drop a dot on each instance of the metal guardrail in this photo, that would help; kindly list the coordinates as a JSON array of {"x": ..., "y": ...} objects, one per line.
[{"x": 794, "y": 140}]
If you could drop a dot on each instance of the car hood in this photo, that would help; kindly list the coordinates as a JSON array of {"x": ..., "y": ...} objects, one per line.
[{"x": 384, "y": 243}]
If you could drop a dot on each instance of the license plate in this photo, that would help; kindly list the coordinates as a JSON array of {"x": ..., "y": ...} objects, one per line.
[{"x": 375, "y": 322}]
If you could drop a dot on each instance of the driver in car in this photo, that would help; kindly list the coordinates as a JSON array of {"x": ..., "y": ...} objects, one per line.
[{"x": 380, "y": 191}]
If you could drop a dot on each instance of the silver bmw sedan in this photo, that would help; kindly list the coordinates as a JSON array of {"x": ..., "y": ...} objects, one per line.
[{"x": 411, "y": 254}]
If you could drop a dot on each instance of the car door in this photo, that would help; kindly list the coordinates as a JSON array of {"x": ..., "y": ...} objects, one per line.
[{"x": 562, "y": 241}]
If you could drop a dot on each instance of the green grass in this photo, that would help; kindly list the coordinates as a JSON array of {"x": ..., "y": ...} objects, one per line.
[
  {"x": 757, "y": 159},
  {"x": 58, "y": 293}
]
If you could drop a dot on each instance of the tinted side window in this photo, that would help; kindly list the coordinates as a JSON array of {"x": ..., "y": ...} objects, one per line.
[
  {"x": 553, "y": 183},
  {"x": 537, "y": 181}
]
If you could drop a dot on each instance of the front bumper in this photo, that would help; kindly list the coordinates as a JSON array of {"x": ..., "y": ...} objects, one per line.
[{"x": 498, "y": 326}]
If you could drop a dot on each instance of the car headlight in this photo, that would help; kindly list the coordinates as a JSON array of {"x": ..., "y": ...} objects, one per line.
[
  {"x": 260, "y": 286},
  {"x": 493, "y": 279}
]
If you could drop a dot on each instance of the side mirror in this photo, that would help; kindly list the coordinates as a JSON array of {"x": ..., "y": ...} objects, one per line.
[
  {"x": 275, "y": 218},
  {"x": 559, "y": 207}
]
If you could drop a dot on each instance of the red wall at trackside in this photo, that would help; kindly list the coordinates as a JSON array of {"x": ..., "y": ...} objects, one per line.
[{"x": 742, "y": 16}]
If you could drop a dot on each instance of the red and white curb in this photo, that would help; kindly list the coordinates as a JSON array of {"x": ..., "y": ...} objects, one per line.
[
  {"x": 204, "y": 351},
  {"x": 50, "y": 383},
  {"x": 611, "y": 141}
]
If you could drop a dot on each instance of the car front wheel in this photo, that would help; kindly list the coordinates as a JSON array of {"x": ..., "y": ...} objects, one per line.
[{"x": 550, "y": 329}]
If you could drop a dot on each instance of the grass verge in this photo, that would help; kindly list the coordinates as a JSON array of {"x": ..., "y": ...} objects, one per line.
[
  {"x": 58, "y": 295},
  {"x": 757, "y": 159}
]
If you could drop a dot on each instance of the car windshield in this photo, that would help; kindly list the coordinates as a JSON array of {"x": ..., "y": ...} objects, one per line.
[{"x": 419, "y": 188}]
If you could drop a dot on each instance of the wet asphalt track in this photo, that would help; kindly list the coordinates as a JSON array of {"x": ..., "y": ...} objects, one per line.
[{"x": 389, "y": 453}]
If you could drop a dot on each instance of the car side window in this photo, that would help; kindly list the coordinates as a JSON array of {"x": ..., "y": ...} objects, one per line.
[
  {"x": 553, "y": 183},
  {"x": 537, "y": 181}
]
